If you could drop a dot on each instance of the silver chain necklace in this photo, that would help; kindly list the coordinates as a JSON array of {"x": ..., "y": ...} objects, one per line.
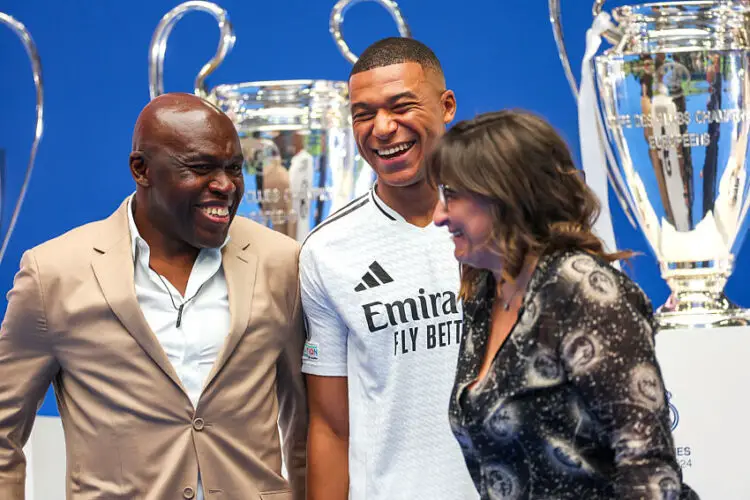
[
  {"x": 506, "y": 304},
  {"x": 183, "y": 304}
]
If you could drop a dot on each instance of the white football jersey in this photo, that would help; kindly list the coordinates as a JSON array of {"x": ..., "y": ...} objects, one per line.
[{"x": 381, "y": 306}]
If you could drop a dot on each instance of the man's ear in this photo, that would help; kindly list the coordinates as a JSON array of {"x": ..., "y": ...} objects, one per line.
[
  {"x": 448, "y": 103},
  {"x": 138, "y": 168}
]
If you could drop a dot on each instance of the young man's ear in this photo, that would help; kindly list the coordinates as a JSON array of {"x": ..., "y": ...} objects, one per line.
[{"x": 448, "y": 102}]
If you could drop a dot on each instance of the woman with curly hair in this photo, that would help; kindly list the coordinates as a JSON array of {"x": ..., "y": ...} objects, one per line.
[{"x": 558, "y": 393}]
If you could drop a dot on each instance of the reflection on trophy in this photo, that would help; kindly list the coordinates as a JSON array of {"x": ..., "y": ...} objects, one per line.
[
  {"x": 673, "y": 89},
  {"x": 263, "y": 161},
  {"x": 301, "y": 162},
  {"x": 36, "y": 67}
]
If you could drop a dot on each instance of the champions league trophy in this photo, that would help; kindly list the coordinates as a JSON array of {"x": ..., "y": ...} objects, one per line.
[
  {"x": 36, "y": 68},
  {"x": 301, "y": 160},
  {"x": 673, "y": 135}
]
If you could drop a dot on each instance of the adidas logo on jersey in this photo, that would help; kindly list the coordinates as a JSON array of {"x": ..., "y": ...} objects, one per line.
[{"x": 370, "y": 278}]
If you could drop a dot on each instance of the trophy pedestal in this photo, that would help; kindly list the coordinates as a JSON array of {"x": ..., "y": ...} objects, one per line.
[
  {"x": 705, "y": 379},
  {"x": 698, "y": 299},
  {"x": 700, "y": 309}
]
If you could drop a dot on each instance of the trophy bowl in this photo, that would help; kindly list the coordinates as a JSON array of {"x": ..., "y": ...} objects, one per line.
[
  {"x": 301, "y": 160},
  {"x": 36, "y": 67},
  {"x": 674, "y": 117}
]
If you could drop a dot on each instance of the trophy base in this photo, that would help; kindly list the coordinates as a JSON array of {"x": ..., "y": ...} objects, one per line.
[{"x": 700, "y": 310}]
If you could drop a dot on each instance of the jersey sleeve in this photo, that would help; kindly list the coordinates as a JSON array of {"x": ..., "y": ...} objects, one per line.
[{"x": 325, "y": 352}]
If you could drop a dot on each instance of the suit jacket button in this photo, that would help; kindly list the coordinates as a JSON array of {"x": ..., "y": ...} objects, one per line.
[
  {"x": 198, "y": 424},
  {"x": 188, "y": 492}
]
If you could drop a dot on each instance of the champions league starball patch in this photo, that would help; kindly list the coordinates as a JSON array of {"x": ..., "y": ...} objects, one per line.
[{"x": 311, "y": 350}]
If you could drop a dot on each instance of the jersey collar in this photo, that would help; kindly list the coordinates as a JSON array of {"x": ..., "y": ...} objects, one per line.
[{"x": 384, "y": 209}]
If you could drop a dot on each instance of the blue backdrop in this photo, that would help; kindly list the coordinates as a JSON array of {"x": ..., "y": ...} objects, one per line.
[{"x": 495, "y": 54}]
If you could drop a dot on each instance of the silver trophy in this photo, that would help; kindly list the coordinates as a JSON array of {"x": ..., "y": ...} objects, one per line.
[
  {"x": 301, "y": 161},
  {"x": 673, "y": 90},
  {"x": 36, "y": 68}
]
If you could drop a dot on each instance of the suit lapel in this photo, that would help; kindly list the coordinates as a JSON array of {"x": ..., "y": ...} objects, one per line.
[
  {"x": 240, "y": 270},
  {"x": 115, "y": 273}
]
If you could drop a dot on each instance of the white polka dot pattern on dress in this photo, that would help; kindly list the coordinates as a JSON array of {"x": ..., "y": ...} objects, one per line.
[{"x": 573, "y": 405}]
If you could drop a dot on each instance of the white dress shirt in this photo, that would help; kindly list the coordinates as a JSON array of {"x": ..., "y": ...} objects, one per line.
[{"x": 193, "y": 347}]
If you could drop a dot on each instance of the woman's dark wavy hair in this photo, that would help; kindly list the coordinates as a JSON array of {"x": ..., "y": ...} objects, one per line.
[{"x": 539, "y": 201}]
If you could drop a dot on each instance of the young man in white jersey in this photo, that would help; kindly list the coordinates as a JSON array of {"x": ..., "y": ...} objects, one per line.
[{"x": 379, "y": 289}]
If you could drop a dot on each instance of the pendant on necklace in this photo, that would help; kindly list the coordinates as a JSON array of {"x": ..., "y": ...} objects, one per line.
[{"x": 179, "y": 315}]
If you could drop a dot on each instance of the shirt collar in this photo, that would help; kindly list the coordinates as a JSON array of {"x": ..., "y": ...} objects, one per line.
[
  {"x": 382, "y": 207},
  {"x": 136, "y": 240}
]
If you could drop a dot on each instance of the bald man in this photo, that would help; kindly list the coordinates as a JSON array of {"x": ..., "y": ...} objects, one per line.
[{"x": 171, "y": 331}]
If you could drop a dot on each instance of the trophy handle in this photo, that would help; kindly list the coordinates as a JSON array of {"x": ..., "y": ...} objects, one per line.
[
  {"x": 597, "y": 7},
  {"x": 158, "y": 45},
  {"x": 556, "y": 20},
  {"x": 337, "y": 17},
  {"x": 36, "y": 68}
]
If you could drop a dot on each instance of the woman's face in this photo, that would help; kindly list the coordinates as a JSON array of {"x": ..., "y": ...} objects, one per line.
[{"x": 468, "y": 219}]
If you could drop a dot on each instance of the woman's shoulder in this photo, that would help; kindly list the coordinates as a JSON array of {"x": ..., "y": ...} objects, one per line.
[
  {"x": 575, "y": 266},
  {"x": 592, "y": 279}
]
